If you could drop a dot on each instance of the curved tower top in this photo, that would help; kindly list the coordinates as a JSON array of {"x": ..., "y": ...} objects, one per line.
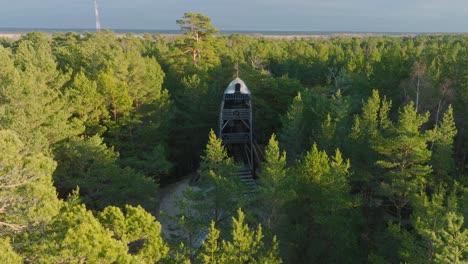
[{"x": 231, "y": 89}]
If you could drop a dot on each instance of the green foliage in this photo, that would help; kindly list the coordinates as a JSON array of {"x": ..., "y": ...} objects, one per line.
[
  {"x": 272, "y": 182},
  {"x": 321, "y": 213},
  {"x": 75, "y": 236},
  {"x": 429, "y": 218},
  {"x": 191, "y": 220},
  {"x": 196, "y": 106},
  {"x": 87, "y": 102},
  {"x": 404, "y": 158},
  {"x": 211, "y": 250},
  {"x": 196, "y": 24},
  {"x": 271, "y": 99},
  {"x": 117, "y": 99},
  {"x": 181, "y": 255},
  {"x": 442, "y": 160},
  {"x": 247, "y": 245},
  {"x": 439, "y": 236},
  {"x": 215, "y": 154},
  {"x": 463, "y": 203},
  {"x": 91, "y": 165},
  {"x": 27, "y": 196},
  {"x": 217, "y": 172},
  {"x": 328, "y": 134},
  {"x": 291, "y": 134},
  {"x": 198, "y": 40},
  {"x": 315, "y": 117},
  {"x": 244, "y": 245},
  {"x": 374, "y": 116},
  {"x": 99, "y": 104},
  {"x": 452, "y": 242},
  {"x": 274, "y": 167},
  {"x": 136, "y": 226},
  {"x": 7, "y": 254},
  {"x": 117, "y": 93},
  {"x": 32, "y": 104}
]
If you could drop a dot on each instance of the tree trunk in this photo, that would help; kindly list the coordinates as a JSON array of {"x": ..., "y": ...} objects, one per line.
[
  {"x": 417, "y": 95},
  {"x": 194, "y": 56},
  {"x": 398, "y": 211},
  {"x": 436, "y": 121}
]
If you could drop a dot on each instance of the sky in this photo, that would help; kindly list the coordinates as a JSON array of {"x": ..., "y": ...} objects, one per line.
[{"x": 255, "y": 15}]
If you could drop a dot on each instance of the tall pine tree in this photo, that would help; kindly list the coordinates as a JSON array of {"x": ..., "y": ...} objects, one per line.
[
  {"x": 404, "y": 158},
  {"x": 273, "y": 183}
]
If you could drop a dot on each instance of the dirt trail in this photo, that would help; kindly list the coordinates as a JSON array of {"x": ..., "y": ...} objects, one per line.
[{"x": 169, "y": 195}]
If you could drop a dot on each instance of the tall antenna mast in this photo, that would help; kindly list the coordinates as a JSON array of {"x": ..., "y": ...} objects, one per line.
[{"x": 98, "y": 22}]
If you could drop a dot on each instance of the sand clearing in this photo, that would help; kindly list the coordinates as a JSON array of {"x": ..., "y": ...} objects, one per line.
[
  {"x": 13, "y": 36},
  {"x": 168, "y": 198}
]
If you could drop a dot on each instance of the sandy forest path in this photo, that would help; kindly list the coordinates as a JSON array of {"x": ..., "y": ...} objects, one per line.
[{"x": 167, "y": 211}]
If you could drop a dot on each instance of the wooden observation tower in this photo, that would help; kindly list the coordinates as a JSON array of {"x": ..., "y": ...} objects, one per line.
[{"x": 236, "y": 128}]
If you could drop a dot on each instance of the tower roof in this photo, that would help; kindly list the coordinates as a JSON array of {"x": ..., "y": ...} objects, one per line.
[{"x": 232, "y": 87}]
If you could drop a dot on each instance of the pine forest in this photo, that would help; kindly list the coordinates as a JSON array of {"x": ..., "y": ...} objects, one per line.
[{"x": 364, "y": 145}]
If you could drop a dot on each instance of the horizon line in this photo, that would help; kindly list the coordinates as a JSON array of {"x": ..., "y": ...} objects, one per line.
[{"x": 129, "y": 30}]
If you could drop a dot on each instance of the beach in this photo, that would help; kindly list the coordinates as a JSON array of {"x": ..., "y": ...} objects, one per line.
[
  {"x": 13, "y": 36},
  {"x": 270, "y": 35}
]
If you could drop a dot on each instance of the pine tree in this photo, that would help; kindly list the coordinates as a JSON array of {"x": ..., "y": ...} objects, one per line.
[
  {"x": 87, "y": 104},
  {"x": 247, "y": 245},
  {"x": 8, "y": 73},
  {"x": 116, "y": 95},
  {"x": 90, "y": 164},
  {"x": 194, "y": 115},
  {"x": 211, "y": 247},
  {"x": 74, "y": 236},
  {"x": 336, "y": 124},
  {"x": 217, "y": 194},
  {"x": 404, "y": 158},
  {"x": 273, "y": 192},
  {"x": 97, "y": 53},
  {"x": 32, "y": 104},
  {"x": 442, "y": 160},
  {"x": 198, "y": 31},
  {"x": 136, "y": 226},
  {"x": 181, "y": 255},
  {"x": 292, "y": 129},
  {"x": 319, "y": 216},
  {"x": 327, "y": 135},
  {"x": 452, "y": 241},
  {"x": 191, "y": 220},
  {"x": 365, "y": 131},
  {"x": 27, "y": 196},
  {"x": 374, "y": 117},
  {"x": 7, "y": 254},
  {"x": 438, "y": 235},
  {"x": 429, "y": 219},
  {"x": 215, "y": 154},
  {"x": 217, "y": 170},
  {"x": 142, "y": 133}
]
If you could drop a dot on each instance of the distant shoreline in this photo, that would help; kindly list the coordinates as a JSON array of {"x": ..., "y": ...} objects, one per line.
[{"x": 16, "y": 33}]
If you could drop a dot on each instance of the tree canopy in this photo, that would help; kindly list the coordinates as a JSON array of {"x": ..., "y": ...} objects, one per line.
[{"x": 363, "y": 145}]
